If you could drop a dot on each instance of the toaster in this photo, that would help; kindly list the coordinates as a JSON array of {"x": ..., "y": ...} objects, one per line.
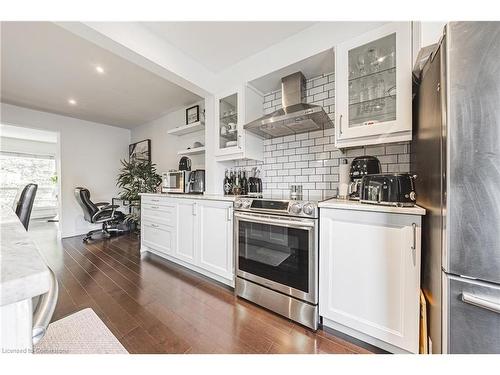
[{"x": 397, "y": 189}]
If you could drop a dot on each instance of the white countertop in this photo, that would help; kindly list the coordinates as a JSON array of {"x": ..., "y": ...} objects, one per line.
[
  {"x": 24, "y": 273},
  {"x": 211, "y": 197},
  {"x": 358, "y": 206}
]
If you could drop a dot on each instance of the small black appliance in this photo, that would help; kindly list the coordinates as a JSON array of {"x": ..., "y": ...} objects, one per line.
[
  {"x": 397, "y": 189},
  {"x": 361, "y": 166},
  {"x": 185, "y": 164}
]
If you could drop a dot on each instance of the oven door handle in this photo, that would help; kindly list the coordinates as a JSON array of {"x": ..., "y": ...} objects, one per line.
[{"x": 265, "y": 220}]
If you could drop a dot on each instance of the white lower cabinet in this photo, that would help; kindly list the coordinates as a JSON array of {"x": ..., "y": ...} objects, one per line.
[
  {"x": 370, "y": 276},
  {"x": 159, "y": 236},
  {"x": 200, "y": 238},
  {"x": 215, "y": 225},
  {"x": 186, "y": 230}
]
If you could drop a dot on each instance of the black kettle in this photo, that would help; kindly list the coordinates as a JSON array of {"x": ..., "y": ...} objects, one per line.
[{"x": 185, "y": 164}]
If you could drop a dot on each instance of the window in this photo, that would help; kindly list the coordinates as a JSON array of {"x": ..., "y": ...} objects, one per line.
[{"x": 19, "y": 169}]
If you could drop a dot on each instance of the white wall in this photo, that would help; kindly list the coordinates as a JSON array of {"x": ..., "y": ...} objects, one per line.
[
  {"x": 90, "y": 156},
  {"x": 314, "y": 39},
  {"x": 164, "y": 147},
  {"x": 431, "y": 32}
]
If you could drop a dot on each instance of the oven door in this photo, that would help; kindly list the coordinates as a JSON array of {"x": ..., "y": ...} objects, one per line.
[{"x": 278, "y": 252}]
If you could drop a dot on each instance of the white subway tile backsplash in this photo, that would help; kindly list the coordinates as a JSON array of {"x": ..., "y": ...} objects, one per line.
[
  {"x": 322, "y": 140},
  {"x": 315, "y": 178},
  {"x": 315, "y": 90},
  {"x": 322, "y": 155},
  {"x": 395, "y": 149},
  {"x": 311, "y": 159},
  {"x": 321, "y": 96},
  {"x": 314, "y": 149},
  {"x": 300, "y": 137}
]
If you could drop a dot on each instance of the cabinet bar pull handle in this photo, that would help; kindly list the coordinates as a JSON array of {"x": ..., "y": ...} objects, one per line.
[
  {"x": 481, "y": 302},
  {"x": 414, "y": 246},
  {"x": 155, "y": 200},
  {"x": 154, "y": 225},
  {"x": 194, "y": 209},
  {"x": 340, "y": 125},
  {"x": 228, "y": 214}
]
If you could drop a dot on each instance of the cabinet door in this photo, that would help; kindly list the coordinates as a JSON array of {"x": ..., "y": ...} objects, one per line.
[
  {"x": 229, "y": 122},
  {"x": 373, "y": 87},
  {"x": 186, "y": 230},
  {"x": 215, "y": 250},
  {"x": 158, "y": 236},
  {"x": 370, "y": 274}
]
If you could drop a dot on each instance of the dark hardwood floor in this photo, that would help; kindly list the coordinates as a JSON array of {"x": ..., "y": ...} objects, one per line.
[{"x": 153, "y": 306}]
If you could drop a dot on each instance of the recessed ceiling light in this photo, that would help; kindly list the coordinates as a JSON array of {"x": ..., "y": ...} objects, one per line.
[
  {"x": 99, "y": 69},
  {"x": 72, "y": 101}
]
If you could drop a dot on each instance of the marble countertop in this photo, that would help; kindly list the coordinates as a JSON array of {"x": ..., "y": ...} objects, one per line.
[
  {"x": 211, "y": 197},
  {"x": 24, "y": 273},
  {"x": 358, "y": 206}
]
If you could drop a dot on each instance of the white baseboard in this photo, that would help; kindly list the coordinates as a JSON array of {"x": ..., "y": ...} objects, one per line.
[
  {"x": 192, "y": 267},
  {"x": 363, "y": 337}
]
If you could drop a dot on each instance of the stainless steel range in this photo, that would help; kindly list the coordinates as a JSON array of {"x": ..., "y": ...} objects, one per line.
[{"x": 276, "y": 244}]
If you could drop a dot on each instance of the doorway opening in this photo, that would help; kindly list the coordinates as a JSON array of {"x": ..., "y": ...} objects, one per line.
[{"x": 32, "y": 156}]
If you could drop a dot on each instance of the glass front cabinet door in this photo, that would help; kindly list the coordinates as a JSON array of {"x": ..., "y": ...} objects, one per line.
[
  {"x": 373, "y": 87},
  {"x": 228, "y": 137},
  {"x": 232, "y": 111}
]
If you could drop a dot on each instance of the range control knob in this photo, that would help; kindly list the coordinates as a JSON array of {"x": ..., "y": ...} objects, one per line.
[
  {"x": 295, "y": 208},
  {"x": 246, "y": 204},
  {"x": 308, "y": 209},
  {"x": 237, "y": 203}
]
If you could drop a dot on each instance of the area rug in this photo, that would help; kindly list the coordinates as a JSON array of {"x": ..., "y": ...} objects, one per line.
[{"x": 79, "y": 333}]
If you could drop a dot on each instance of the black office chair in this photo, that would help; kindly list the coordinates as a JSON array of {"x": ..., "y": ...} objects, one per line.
[
  {"x": 24, "y": 204},
  {"x": 98, "y": 213}
]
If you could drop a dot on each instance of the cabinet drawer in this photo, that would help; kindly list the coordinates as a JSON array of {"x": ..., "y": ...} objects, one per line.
[
  {"x": 158, "y": 236},
  {"x": 156, "y": 200},
  {"x": 165, "y": 214}
]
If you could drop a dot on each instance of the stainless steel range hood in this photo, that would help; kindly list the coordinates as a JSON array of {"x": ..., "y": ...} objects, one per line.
[{"x": 295, "y": 117}]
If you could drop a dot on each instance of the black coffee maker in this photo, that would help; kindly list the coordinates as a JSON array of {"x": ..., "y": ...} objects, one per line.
[
  {"x": 361, "y": 166},
  {"x": 185, "y": 164}
]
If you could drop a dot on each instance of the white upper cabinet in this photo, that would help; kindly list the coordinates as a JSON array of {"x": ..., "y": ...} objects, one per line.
[
  {"x": 233, "y": 110},
  {"x": 374, "y": 87}
]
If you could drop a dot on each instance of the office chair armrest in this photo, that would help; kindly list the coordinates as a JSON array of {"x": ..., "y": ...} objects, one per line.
[
  {"x": 105, "y": 208},
  {"x": 101, "y": 204}
]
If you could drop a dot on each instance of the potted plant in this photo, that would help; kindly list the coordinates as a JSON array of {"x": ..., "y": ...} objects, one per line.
[{"x": 136, "y": 177}]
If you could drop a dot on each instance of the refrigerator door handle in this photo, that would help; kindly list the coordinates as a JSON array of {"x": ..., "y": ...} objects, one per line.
[{"x": 481, "y": 302}]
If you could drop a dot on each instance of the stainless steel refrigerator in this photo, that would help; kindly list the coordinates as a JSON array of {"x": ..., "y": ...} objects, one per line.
[{"x": 456, "y": 156}]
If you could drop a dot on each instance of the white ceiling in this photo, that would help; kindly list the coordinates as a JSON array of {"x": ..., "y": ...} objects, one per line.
[
  {"x": 218, "y": 45},
  {"x": 43, "y": 65},
  {"x": 321, "y": 63},
  {"x": 19, "y": 132}
]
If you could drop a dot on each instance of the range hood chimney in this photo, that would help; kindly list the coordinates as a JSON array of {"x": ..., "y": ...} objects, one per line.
[{"x": 295, "y": 116}]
